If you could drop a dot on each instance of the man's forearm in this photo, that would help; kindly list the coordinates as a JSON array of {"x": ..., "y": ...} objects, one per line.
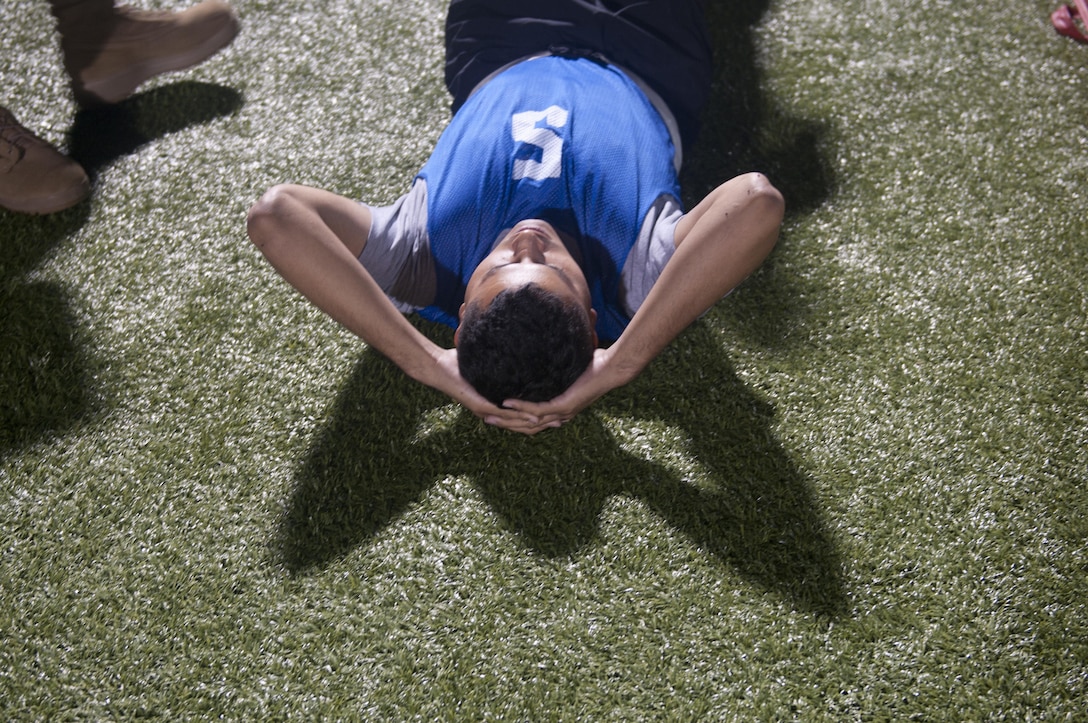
[
  {"x": 302, "y": 233},
  {"x": 719, "y": 244}
]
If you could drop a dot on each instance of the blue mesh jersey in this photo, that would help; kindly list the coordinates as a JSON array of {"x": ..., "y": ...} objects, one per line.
[{"x": 568, "y": 140}]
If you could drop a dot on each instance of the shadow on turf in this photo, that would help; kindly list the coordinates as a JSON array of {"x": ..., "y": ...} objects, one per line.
[
  {"x": 45, "y": 386},
  {"x": 754, "y": 512},
  {"x": 743, "y": 130},
  {"x": 44, "y": 378},
  {"x": 101, "y": 135}
]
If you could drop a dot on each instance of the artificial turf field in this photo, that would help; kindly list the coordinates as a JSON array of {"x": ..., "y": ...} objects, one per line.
[{"x": 855, "y": 490}]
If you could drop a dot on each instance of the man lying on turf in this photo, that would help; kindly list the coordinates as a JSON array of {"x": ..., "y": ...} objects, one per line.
[{"x": 546, "y": 221}]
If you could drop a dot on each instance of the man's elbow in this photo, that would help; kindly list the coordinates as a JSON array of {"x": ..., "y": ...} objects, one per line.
[
  {"x": 763, "y": 194},
  {"x": 267, "y": 214},
  {"x": 769, "y": 208}
]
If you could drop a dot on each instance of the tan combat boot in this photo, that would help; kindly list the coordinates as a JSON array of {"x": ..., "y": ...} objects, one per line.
[
  {"x": 34, "y": 176},
  {"x": 109, "y": 52}
]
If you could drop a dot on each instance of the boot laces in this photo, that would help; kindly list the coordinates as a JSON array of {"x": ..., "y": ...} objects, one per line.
[{"x": 14, "y": 141}]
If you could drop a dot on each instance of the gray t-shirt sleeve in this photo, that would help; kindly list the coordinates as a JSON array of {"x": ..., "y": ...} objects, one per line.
[
  {"x": 397, "y": 252},
  {"x": 652, "y": 250}
]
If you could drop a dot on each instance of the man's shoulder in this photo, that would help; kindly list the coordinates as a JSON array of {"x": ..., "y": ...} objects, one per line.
[{"x": 398, "y": 251}]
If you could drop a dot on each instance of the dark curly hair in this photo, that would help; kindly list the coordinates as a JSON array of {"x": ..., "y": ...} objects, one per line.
[{"x": 527, "y": 344}]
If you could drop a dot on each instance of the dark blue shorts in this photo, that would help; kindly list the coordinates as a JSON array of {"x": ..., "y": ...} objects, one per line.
[{"x": 662, "y": 41}]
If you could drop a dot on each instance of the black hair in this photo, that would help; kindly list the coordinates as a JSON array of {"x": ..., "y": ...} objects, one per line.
[{"x": 527, "y": 344}]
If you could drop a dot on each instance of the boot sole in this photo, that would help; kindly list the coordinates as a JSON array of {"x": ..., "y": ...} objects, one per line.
[{"x": 48, "y": 204}]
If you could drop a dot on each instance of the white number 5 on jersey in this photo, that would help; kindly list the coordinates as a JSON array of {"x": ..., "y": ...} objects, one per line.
[{"x": 526, "y": 130}]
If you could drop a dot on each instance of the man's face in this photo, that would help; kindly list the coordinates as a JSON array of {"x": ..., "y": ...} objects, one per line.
[{"x": 531, "y": 252}]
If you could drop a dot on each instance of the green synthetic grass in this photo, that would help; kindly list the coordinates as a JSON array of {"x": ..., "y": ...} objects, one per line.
[{"x": 854, "y": 491}]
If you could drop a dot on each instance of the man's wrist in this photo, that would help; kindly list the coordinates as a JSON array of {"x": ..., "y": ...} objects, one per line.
[{"x": 620, "y": 367}]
